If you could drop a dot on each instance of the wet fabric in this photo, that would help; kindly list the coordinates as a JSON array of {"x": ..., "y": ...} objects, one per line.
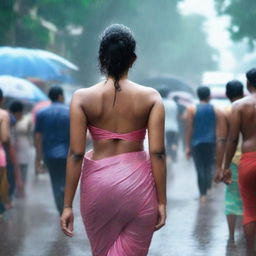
[
  {"x": 102, "y": 134},
  {"x": 53, "y": 123},
  {"x": 119, "y": 204},
  {"x": 2, "y": 157},
  {"x": 247, "y": 185},
  {"x": 204, "y": 125},
  {"x": 57, "y": 171},
  {"x": 233, "y": 201},
  {"x": 204, "y": 157}
]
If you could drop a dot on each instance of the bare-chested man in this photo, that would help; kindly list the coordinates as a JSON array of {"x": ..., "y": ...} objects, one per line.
[
  {"x": 243, "y": 119},
  {"x": 233, "y": 201}
]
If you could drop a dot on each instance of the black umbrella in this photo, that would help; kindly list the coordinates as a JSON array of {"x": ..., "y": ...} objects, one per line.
[{"x": 171, "y": 83}]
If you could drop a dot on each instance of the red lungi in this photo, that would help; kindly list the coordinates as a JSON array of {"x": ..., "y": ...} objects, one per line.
[{"x": 247, "y": 185}]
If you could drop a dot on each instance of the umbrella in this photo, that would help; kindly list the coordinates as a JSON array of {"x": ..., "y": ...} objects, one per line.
[
  {"x": 22, "y": 62},
  {"x": 56, "y": 58},
  {"x": 171, "y": 82},
  {"x": 14, "y": 87},
  {"x": 184, "y": 98}
]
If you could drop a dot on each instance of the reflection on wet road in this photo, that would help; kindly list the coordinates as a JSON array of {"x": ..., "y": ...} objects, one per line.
[{"x": 31, "y": 228}]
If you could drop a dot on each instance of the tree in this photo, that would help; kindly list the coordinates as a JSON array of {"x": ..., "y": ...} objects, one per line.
[
  {"x": 243, "y": 21},
  {"x": 167, "y": 42}
]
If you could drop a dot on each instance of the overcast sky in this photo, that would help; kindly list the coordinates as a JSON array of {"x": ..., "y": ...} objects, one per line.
[{"x": 215, "y": 27}]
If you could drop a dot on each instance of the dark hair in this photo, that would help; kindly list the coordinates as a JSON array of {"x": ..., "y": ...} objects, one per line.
[
  {"x": 1, "y": 94},
  {"x": 116, "y": 52},
  {"x": 16, "y": 107},
  {"x": 203, "y": 92},
  {"x": 163, "y": 92},
  {"x": 251, "y": 77},
  {"x": 234, "y": 89},
  {"x": 54, "y": 93}
]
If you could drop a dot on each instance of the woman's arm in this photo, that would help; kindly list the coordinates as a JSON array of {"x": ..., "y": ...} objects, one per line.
[
  {"x": 156, "y": 136},
  {"x": 78, "y": 128}
]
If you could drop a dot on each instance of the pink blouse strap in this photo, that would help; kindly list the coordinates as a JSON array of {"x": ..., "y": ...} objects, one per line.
[{"x": 102, "y": 134}]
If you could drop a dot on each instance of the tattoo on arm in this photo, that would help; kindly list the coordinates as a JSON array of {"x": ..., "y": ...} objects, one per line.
[
  {"x": 159, "y": 154},
  {"x": 77, "y": 156}
]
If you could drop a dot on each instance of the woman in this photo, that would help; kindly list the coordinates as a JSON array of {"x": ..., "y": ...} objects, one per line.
[
  {"x": 122, "y": 203},
  {"x": 22, "y": 132}
]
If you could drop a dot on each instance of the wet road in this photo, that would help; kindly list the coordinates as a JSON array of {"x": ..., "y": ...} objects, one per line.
[{"x": 31, "y": 228}]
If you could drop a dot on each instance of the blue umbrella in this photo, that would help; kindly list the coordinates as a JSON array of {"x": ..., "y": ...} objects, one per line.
[
  {"x": 18, "y": 88},
  {"x": 22, "y": 62}
]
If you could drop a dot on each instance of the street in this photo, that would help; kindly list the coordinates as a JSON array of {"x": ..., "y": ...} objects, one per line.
[{"x": 31, "y": 228}]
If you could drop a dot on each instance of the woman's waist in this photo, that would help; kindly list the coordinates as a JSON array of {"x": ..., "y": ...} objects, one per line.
[
  {"x": 125, "y": 167},
  {"x": 91, "y": 155},
  {"x": 103, "y": 149}
]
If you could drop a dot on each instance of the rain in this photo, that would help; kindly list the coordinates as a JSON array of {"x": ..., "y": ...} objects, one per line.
[{"x": 199, "y": 56}]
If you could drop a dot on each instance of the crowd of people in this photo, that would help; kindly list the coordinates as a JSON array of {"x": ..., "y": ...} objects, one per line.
[
  {"x": 20, "y": 133},
  {"x": 118, "y": 177}
]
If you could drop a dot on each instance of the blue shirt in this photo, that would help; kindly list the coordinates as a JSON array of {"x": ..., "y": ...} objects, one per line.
[
  {"x": 204, "y": 125},
  {"x": 53, "y": 123}
]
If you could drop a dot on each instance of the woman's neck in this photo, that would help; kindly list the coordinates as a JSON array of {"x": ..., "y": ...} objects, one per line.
[{"x": 124, "y": 77}]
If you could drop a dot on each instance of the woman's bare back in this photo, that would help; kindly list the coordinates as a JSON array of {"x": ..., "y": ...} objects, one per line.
[{"x": 130, "y": 112}]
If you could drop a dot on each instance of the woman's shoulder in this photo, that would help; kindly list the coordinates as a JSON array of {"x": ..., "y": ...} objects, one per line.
[
  {"x": 86, "y": 92},
  {"x": 146, "y": 90}
]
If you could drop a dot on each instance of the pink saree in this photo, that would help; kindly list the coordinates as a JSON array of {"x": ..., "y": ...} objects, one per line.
[{"x": 118, "y": 204}]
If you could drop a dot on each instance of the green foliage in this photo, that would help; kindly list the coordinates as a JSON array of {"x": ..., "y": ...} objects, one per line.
[
  {"x": 167, "y": 43},
  {"x": 243, "y": 18},
  {"x": 31, "y": 33},
  {"x": 63, "y": 12}
]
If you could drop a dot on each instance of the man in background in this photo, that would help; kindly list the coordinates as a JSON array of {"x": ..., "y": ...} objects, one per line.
[
  {"x": 171, "y": 124},
  {"x": 243, "y": 120},
  {"x": 202, "y": 133},
  {"x": 233, "y": 202},
  {"x": 52, "y": 142},
  {"x": 181, "y": 117}
]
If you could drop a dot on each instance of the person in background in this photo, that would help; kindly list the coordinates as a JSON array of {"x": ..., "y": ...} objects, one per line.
[
  {"x": 243, "y": 120},
  {"x": 201, "y": 135},
  {"x": 22, "y": 131},
  {"x": 233, "y": 201},
  {"x": 52, "y": 142},
  {"x": 181, "y": 117},
  {"x": 171, "y": 124},
  {"x": 4, "y": 138}
]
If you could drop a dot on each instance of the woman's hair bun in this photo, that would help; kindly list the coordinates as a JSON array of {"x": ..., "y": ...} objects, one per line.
[{"x": 117, "y": 51}]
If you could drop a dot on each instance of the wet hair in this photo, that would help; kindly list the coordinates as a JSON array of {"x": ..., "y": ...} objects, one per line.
[
  {"x": 203, "y": 92},
  {"x": 234, "y": 89},
  {"x": 116, "y": 52},
  {"x": 1, "y": 94},
  {"x": 54, "y": 93},
  {"x": 16, "y": 107},
  {"x": 251, "y": 77},
  {"x": 163, "y": 92}
]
